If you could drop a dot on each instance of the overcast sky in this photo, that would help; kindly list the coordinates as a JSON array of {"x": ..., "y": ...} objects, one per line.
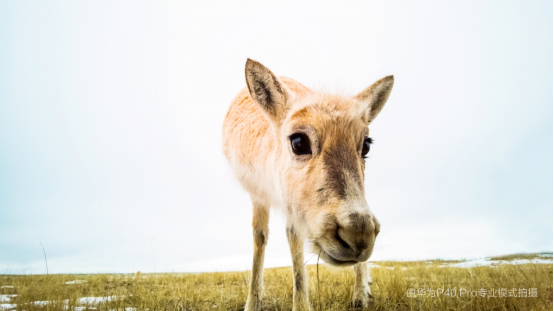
[{"x": 111, "y": 115}]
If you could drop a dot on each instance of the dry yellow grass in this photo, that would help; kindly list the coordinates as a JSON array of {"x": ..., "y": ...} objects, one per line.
[{"x": 228, "y": 291}]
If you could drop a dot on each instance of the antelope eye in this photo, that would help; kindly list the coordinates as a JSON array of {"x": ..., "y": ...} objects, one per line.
[
  {"x": 300, "y": 144},
  {"x": 365, "y": 147}
]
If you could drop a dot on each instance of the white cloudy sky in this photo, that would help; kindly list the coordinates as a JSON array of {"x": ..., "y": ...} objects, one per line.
[{"x": 111, "y": 113}]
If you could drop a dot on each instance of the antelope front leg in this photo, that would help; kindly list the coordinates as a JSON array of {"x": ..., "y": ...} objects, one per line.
[
  {"x": 362, "y": 292},
  {"x": 300, "y": 299},
  {"x": 260, "y": 225}
]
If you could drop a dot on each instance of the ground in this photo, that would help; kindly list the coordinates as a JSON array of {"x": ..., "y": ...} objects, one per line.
[{"x": 515, "y": 282}]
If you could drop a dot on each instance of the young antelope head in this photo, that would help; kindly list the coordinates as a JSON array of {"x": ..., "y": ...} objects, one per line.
[{"x": 323, "y": 141}]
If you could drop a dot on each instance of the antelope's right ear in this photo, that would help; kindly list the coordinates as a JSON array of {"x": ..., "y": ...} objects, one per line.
[
  {"x": 373, "y": 98},
  {"x": 267, "y": 91}
]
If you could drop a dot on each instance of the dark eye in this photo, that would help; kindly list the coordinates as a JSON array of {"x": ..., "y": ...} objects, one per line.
[
  {"x": 300, "y": 144},
  {"x": 365, "y": 147}
]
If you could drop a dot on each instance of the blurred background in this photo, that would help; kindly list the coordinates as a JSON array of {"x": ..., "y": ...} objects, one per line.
[{"x": 111, "y": 116}]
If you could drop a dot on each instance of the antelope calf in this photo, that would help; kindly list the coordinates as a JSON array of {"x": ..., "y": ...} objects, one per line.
[{"x": 303, "y": 152}]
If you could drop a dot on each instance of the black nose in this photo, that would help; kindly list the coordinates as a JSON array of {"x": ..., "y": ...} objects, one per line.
[{"x": 357, "y": 235}]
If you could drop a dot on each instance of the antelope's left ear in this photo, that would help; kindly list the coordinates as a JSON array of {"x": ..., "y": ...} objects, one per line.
[{"x": 373, "y": 99}]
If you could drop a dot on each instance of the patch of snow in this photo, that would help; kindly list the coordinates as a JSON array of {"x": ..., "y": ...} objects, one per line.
[
  {"x": 41, "y": 303},
  {"x": 404, "y": 268},
  {"x": 7, "y": 306},
  {"x": 45, "y": 302},
  {"x": 6, "y": 286},
  {"x": 536, "y": 261},
  {"x": 83, "y": 300},
  {"x": 493, "y": 263},
  {"x": 390, "y": 268},
  {"x": 94, "y": 300},
  {"x": 76, "y": 282},
  {"x": 372, "y": 265},
  {"x": 472, "y": 263},
  {"x": 6, "y": 298},
  {"x": 546, "y": 255}
]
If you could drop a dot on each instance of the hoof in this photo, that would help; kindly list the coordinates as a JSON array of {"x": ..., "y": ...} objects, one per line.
[{"x": 362, "y": 300}]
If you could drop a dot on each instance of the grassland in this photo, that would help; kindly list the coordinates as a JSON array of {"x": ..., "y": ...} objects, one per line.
[{"x": 228, "y": 291}]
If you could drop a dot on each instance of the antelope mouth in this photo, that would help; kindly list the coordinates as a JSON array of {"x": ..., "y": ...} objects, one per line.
[{"x": 328, "y": 258}]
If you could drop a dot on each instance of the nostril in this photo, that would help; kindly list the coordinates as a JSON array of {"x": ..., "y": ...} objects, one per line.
[{"x": 341, "y": 241}]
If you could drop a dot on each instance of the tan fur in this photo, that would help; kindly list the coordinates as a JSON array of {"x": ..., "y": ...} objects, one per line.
[
  {"x": 251, "y": 138},
  {"x": 321, "y": 192}
]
